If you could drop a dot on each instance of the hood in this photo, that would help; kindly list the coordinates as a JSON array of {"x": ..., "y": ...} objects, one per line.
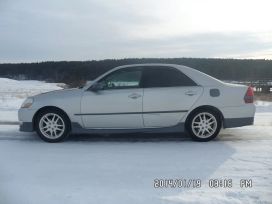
[{"x": 62, "y": 93}]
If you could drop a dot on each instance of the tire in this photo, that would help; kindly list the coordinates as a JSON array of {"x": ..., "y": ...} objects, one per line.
[
  {"x": 204, "y": 125},
  {"x": 52, "y": 125}
]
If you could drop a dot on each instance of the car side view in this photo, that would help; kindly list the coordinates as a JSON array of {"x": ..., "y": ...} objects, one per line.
[{"x": 141, "y": 98}]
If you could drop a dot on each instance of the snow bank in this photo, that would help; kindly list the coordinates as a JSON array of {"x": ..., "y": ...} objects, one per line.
[{"x": 14, "y": 92}]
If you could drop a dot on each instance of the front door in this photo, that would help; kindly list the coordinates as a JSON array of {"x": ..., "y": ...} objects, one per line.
[{"x": 118, "y": 104}]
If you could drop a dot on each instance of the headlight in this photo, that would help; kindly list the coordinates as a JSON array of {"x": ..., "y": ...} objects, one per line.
[{"x": 27, "y": 103}]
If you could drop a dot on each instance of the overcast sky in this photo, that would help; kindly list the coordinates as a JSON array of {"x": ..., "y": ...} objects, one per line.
[{"x": 42, "y": 30}]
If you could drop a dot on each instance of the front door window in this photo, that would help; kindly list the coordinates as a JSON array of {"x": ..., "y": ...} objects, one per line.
[{"x": 123, "y": 79}]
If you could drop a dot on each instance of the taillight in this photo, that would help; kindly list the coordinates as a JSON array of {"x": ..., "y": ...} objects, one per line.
[{"x": 249, "y": 95}]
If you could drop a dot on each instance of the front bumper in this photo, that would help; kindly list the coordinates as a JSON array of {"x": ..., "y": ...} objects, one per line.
[
  {"x": 26, "y": 127},
  {"x": 25, "y": 116},
  {"x": 238, "y": 122}
]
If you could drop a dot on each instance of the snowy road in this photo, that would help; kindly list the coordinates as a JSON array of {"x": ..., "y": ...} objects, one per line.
[{"x": 121, "y": 169}]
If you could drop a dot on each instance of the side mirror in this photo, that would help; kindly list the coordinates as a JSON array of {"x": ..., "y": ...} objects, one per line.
[{"x": 97, "y": 87}]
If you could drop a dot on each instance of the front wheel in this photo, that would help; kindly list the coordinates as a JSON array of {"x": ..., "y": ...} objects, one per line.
[
  {"x": 52, "y": 125},
  {"x": 204, "y": 125}
]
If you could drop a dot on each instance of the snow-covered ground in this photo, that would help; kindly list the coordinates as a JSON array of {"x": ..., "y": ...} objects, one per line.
[{"x": 122, "y": 168}]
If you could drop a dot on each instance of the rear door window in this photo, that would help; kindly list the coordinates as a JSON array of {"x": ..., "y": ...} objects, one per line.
[{"x": 161, "y": 76}]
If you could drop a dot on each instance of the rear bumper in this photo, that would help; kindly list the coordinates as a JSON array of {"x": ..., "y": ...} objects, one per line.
[
  {"x": 238, "y": 122},
  {"x": 26, "y": 127}
]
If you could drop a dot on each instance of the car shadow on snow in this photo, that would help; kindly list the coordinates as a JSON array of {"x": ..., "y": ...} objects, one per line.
[
  {"x": 141, "y": 137},
  {"x": 127, "y": 163},
  {"x": 130, "y": 137},
  {"x": 146, "y": 157}
]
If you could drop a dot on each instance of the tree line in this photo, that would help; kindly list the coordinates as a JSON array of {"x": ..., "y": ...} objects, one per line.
[{"x": 77, "y": 72}]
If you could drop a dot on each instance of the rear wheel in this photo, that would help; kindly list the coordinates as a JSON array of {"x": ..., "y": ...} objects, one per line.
[
  {"x": 52, "y": 125},
  {"x": 204, "y": 125}
]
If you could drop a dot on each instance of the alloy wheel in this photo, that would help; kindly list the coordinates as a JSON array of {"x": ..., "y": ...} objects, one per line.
[
  {"x": 204, "y": 125},
  {"x": 52, "y": 126}
]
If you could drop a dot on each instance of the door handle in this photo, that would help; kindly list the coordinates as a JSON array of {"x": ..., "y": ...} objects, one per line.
[
  {"x": 134, "y": 96},
  {"x": 190, "y": 93}
]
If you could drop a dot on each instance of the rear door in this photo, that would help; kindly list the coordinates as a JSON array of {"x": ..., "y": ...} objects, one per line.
[{"x": 168, "y": 95}]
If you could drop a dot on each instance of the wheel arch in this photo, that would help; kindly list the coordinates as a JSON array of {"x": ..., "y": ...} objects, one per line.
[
  {"x": 49, "y": 108},
  {"x": 204, "y": 107}
]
